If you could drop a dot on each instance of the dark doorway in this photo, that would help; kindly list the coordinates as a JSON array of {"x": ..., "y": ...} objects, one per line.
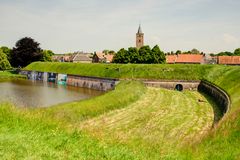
[{"x": 179, "y": 87}]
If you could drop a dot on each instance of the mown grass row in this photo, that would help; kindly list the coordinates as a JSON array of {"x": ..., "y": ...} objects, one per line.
[{"x": 157, "y": 125}]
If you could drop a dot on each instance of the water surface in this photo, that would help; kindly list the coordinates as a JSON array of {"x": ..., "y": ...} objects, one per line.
[{"x": 26, "y": 93}]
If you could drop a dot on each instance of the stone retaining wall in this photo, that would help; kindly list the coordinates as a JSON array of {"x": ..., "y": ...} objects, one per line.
[
  {"x": 220, "y": 97},
  {"x": 102, "y": 84},
  {"x": 186, "y": 85}
]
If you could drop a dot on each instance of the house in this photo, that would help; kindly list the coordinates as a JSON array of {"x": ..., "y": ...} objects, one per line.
[
  {"x": 66, "y": 58},
  {"x": 208, "y": 59},
  {"x": 56, "y": 58},
  {"x": 102, "y": 58},
  {"x": 171, "y": 59},
  {"x": 185, "y": 59},
  {"x": 229, "y": 60},
  {"x": 190, "y": 58},
  {"x": 61, "y": 58},
  {"x": 81, "y": 58}
]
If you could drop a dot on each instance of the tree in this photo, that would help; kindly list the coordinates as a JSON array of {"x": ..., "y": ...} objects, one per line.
[
  {"x": 157, "y": 55},
  {"x": 212, "y": 54},
  {"x": 7, "y": 51},
  {"x": 105, "y": 51},
  {"x": 225, "y": 53},
  {"x": 27, "y": 51},
  {"x": 4, "y": 63},
  {"x": 111, "y": 52},
  {"x": 145, "y": 55},
  {"x": 178, "y": 52},
  {"x": 47, "y": 55},
  {"x": 133, "y": 55},
  {"x": 195, "y": 51},
  {"x": 237, "y": 52},
  {"x": 121, "y": 56}
]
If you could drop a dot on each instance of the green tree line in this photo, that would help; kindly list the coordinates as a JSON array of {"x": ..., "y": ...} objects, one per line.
[
  {"x": 144, "y": 55},
  {"x": 235, "y": 53}
]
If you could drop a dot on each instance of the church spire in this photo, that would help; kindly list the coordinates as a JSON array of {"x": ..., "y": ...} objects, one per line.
[
  {"x": 139, "y": 37},
  {"x": 139, "y": 29}
]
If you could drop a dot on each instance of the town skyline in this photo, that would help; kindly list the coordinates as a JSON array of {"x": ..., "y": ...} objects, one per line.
[{"x": 68, "y": 26}]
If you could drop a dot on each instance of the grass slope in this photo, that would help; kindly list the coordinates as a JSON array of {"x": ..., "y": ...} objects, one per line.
[
  {"x": 221, "y": 143},
  {"x": 151, "y": 126},
  {"x": 146, "y": 71},
  {"x": 32, "y": 138},
  {"x": 9, "y": 75},
  {"x": 42, "y": 134},
  {"x": 125, "y": 93}
]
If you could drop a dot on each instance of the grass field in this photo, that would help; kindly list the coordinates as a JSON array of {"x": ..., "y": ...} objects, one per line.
[{"x": 131, "y": 122}]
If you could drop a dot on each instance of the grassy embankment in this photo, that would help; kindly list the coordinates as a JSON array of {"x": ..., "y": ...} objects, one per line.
[
  {"x": 156, "y": 123},
  {"x": 147, "y": 71},
  {"x": 152, "y": 125},
  {"x": 222, "y": 143},
  {"x": 40, "y": 134},
  {"x": 9, "y": 75}
]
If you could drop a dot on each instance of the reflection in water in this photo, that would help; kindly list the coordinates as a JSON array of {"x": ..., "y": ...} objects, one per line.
[{"x": 26, "y": 93}]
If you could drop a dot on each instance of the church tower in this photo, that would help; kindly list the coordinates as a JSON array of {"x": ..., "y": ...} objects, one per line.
[{"x": 139, "y": 38}]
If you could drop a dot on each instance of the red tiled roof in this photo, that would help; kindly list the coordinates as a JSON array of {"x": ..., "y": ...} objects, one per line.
[
  {"x": 189, "y": 58},
  {"x": 185, "y": 58},
  {"x": 171, "y": 58},
  {"x": 108, "y": 57},
  {"x": 229, "y": 60}
]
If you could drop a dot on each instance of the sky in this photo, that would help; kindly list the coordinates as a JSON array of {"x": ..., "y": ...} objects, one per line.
[{"x": 65, "y": 26}]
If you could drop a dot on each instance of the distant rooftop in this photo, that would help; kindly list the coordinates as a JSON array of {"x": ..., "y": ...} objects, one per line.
[
  {"x": 185, "y": 58},
  {"x": 232, "y": 60}
]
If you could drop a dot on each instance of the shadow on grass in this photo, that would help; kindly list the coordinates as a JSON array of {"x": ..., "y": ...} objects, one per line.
[{"x": 218, "y": 114}]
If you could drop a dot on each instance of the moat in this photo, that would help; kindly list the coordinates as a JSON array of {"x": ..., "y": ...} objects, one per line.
[{"x": 26, "y": 93}]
